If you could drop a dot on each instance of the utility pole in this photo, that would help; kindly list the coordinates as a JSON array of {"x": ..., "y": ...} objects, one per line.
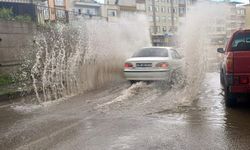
[
  {"x": 154, "y": 17},
  {"x": 186, "y": 5},
  {"x": 172, "y": 15}
]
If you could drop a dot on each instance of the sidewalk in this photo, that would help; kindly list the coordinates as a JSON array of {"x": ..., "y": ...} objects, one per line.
[{"x": 8, "y": 92}]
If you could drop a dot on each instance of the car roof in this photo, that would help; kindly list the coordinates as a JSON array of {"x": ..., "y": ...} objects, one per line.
[
  {"x": 242, "y": 30},
  {"x": 159, "y": 47}
]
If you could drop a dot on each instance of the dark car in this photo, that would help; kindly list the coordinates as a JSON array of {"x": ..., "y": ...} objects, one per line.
[{"x": 235, "y": 68}]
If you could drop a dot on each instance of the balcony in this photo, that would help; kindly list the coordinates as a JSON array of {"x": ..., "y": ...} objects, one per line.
[{"x": 88, "y": 4}]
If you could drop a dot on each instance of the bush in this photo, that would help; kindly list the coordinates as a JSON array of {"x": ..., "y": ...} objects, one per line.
[
  {"x": 5, "y": 79},
  {"x": 6, "y": 14},
  {"x": 24, "y": 18}
]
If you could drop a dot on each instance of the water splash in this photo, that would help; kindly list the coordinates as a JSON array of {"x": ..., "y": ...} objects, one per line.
[
  {"x": 194, "y": 38},
  {"x": 85, "y": 54}
]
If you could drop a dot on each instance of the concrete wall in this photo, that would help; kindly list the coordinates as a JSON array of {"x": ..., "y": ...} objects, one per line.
[{"x": 14, "y": 37}]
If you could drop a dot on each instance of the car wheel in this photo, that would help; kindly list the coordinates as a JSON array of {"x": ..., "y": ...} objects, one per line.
[
  {"x": 222, "y": 81},
  {"x": 177, "y": 78},
  {"x": 230, "y": 98},
  {"x": 132, "y": 82}
]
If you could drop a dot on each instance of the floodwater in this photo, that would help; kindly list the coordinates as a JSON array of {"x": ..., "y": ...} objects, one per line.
[
  {"x": 120, "y": 116},
  {"x": 85, "y": 104}
]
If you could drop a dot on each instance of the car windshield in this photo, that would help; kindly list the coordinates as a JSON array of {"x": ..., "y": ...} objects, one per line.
[
  {"x": 241, "y": 42},
  {"x": 152, "y": 52}
]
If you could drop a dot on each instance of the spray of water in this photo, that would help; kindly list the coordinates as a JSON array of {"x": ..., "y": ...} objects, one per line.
[
  {"x": 194, "y": 38},
  {"x": 85, "y": 54}
]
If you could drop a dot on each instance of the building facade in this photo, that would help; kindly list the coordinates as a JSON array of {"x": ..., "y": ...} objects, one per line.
[
  {"x": 87, "y": 8},
  {"x": 164, "y": 15},
  {"x": 247, "y": 18},
  {"x": 112, "y": 9},
  {"x": 223, "y": 28}
]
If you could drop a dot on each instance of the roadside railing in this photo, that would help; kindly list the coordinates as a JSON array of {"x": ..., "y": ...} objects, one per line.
[
  {"x": 18, "y": 1},
  {"x": 46, "y": 14},
  {"x": 39, "y": 13}
]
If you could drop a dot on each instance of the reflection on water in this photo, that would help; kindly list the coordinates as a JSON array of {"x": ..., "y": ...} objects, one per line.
[{"x": 209, "y": 117}]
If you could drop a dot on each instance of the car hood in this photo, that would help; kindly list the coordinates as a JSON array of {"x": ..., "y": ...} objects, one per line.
[{"x": 147, "y": 59}]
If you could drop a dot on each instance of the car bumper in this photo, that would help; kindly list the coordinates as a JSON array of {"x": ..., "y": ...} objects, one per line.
[
  {"x": 233, "y": 82},
  {"x": 240, "y": 89},
  {"x": 147, "y": 75}
]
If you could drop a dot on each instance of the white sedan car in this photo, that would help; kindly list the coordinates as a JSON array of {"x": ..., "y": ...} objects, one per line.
[{"x": 152, "y": 64}]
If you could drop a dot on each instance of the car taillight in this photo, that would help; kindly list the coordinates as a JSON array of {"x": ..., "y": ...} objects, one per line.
[
  {"x": 128, "y": 65},
  {"x": 162, "y": 65},
  {"x": 229, "y": 62},
  {"x": 244, "y": 80},
  {"x": 241, "y": 80}
]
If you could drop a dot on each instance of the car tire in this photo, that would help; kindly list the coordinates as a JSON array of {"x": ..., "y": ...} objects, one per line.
[
  {"x": 222, "y": 81},
  {"x": 230, "y": 98},
  {"x": 132, "y": 82},
  {"x": 177, "y": 78}
]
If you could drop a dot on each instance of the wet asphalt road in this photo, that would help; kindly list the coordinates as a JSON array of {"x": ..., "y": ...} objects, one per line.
[{"x": 120, "y": 116}]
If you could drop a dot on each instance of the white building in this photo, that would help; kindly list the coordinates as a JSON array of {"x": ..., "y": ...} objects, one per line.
[
  {"x": 86, "y": 7},
  {"x": 115, "y": 8}
]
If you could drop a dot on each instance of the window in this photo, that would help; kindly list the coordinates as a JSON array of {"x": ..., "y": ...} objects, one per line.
[
  {"x": 164, "y": 19},
  {"x": 182, "y": 10},
  {"x": 150, "y": 8},
  {"x": 158, "y": 29},
  {"x": 182, "y": 2},
  {"x": 157, "y": 19},
  {"x": 112, "y": 13},
  {"x": 163, "y": 9},
  {"x": 152, "y": 29},
  {"x": 156, "y": 8},
  {"x": 169, "y": 10},
  {"x": 59, "y": 2},
  {"x": 150, "y": 18},
  {"x": 241, "y": 42},
  {"x": 152, "y": 52},
  {"x": 174, "y": 10},
  {"x": 89, "y": 11},
  {"x": 164, "y": 29},
  {"x": 175, "y": 54}
]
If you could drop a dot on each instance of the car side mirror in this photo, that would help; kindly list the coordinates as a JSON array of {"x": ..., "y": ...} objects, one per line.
[{"x": 220, "y": 50}]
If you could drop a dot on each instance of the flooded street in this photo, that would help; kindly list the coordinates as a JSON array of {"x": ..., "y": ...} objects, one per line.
[
  {"x": 120, "y": 116},
  {"x": 68, "y": 87}
]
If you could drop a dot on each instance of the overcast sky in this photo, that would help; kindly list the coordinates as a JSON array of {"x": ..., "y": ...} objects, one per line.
[{"x": 243, "y": 1}]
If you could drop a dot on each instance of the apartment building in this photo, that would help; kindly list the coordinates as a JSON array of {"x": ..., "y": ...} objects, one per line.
[
  {"x": 88, "y": 8},
  {"x": 247, "y": 18},
  {"x": 164, "y": 15},
  {"x": 223, "y": 28},
  {"x": 115, "y": 8},
  {"x": 236, "y": 20}
]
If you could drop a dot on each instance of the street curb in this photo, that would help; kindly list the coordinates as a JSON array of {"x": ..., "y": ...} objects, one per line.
[{"x": 14, "y": 95}]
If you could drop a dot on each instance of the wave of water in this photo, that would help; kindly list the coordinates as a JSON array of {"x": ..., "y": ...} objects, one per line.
[
  {"x": 85, "y": 54},
  {"x": 194, "y": 36}
]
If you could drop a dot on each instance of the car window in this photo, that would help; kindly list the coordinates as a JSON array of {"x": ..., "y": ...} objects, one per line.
[
  {"x": 241, "y": 42},
  {"x": 152, "y": 52},
  {"x": 175, "y": 54}
]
